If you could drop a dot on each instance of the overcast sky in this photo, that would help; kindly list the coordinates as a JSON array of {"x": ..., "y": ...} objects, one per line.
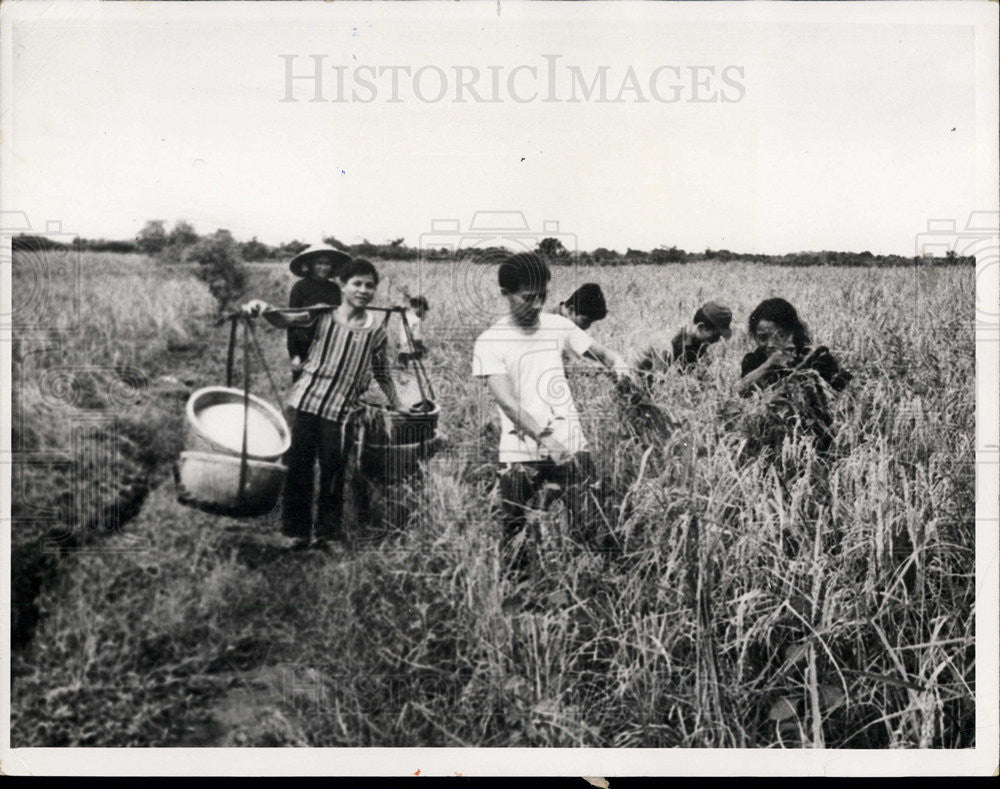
[{"x": 824, "y": 136}]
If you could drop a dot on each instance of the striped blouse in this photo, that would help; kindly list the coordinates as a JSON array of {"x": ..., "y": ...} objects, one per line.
[{"x": 340, "y": 367}]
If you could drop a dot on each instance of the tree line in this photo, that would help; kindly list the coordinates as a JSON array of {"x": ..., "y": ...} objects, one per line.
[{"x": 182, "y": 244}]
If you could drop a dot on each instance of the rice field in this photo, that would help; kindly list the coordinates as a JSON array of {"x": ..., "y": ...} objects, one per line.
[{"x": 822, "y": 602}]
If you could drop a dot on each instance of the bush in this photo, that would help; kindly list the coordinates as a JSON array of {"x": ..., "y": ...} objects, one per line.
[
  {"x": 152, "y": 238},
  {"x": 182, "y": 234},
  {"x": 336, "y": 243},
  {"x": 254, "y": 250},
  {"x": 291, "y": 249},
  {"x": 671, "y": 255},
  {"x": 552, "y": 248},
  {"x": 604, "y": 255},
  {"x": 172, "y": 253},
  {"x": 104, "y": 245},
  {"x": 27, "y": 243},
  {"x": 220, "y": 266}
]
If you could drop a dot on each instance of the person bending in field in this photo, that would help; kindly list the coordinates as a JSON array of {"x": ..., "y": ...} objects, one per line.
[
  {"x": 541, "y": 443},
  {"x": 786, "y": 364},
  {"x": 415, "y": 314},
  {"x": 317, "y": 267},
  {"x": 349, "y": 348},
  {"x": 710, "y": 324},
  {"x": 585, "y": 306}
]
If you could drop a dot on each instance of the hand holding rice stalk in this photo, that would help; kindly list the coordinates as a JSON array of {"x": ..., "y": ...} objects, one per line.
[{"x": 643, "y": 419}]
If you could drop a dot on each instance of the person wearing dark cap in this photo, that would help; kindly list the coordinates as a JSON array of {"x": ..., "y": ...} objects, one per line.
[
  {"x": 711, "y": 323},
  {"x": 317, "y": 268},
  {"x": 585, "y": 305}
]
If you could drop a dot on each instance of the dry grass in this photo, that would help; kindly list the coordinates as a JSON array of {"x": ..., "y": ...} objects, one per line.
[
  {"x": 828, "y": 605},
  {"x": 93, "y": 421}
]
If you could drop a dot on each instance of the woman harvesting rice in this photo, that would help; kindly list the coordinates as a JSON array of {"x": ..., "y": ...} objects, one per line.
[{"x": 786, "y": 363}]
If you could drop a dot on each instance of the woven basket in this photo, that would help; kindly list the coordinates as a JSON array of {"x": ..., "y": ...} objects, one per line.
[
  {"x": 396, "y": 462},
  {"x": 210, "y": 481},
  {"x": 385, "y": 426}
]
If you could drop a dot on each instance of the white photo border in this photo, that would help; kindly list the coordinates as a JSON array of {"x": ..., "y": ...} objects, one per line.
[{"x": 982, "y": 760}]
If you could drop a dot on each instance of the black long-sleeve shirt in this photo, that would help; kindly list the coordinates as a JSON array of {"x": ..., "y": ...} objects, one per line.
[
  {"x": 821, "y": 360},
  {"x": 307, "y": 293},
  {"x": 809, "y": 406}
]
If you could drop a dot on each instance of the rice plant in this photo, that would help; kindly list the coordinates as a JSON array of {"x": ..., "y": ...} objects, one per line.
[{"x": 788, "y": 601}]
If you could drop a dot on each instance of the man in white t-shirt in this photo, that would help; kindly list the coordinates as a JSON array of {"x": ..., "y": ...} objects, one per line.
[{"x": 521, "y": 358}]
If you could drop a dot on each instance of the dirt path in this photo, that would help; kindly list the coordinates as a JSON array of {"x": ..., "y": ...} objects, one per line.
[{"x": 187, "y": 646}]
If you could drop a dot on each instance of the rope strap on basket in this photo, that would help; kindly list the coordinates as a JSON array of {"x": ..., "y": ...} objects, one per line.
[
  {"x": 231, "y": 350},
  {"x": 423, "y": 381},
  {"x": 249, "y": 337},
  {"x": 241, "y": 491},
  {"x": 263, "y": 363}
]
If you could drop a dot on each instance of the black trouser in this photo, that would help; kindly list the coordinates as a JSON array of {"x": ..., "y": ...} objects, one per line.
[
  {"x": 575, "y": 481},
  {"x": 331, "y": 441}
]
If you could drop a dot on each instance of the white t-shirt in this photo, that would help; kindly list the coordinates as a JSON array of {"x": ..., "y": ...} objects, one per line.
[
  {"x": 532, "y": 360},
  {"x": 414, "y": 321}
]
